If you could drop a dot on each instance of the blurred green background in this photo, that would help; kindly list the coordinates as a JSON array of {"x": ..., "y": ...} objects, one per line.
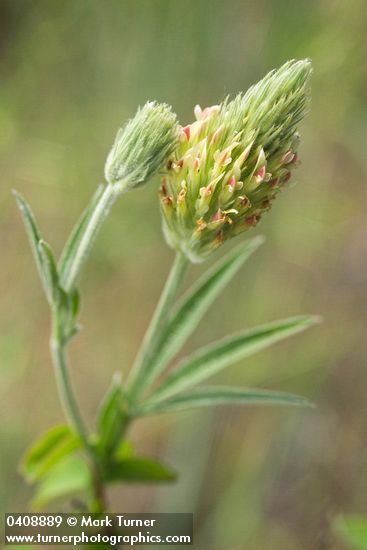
[{"x": 71, "y": 72}]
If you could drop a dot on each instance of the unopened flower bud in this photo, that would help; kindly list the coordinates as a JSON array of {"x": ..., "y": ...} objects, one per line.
[
  {"x": 142, "y": 146},
  {"x": 232, "y": 161}
]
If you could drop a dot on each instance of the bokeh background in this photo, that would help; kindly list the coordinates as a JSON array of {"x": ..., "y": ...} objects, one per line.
[{"x": 71, "y": 72}]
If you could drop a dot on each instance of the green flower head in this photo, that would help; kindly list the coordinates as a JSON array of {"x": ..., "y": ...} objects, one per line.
[
  {"x": 232, "y": 161},
  {"x": 142, "y": 146}
]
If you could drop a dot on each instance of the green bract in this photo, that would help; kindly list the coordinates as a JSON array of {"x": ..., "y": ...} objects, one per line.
[
  {"x": 232, "y": 161},
  {"x": 142, "y": 146}
]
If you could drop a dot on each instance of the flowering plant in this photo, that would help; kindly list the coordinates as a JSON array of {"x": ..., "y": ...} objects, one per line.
[
  {"x": 232, "y": 161},
  {"x": 219, "y": 175}
]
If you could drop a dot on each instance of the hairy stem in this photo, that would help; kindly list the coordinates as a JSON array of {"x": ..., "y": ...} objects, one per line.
[
  {"x": 73, "y": 415},
  {"x": 100, "y": 213},
  {"x": 140, "y": 370},
  {"x": 66, "y": 392}
]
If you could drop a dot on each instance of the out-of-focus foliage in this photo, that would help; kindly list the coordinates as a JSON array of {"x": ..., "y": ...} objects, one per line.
[
  {"x": 353, "y": 530},
  {"x": 71, "y": 73}
]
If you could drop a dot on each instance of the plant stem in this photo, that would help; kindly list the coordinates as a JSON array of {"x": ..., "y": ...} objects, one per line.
[
  {"x": 66, "y": 392},
  {"x": 152, "y": 339},
  {"x": 72, "y": 412},
  {"x": 101, "y": 211}
]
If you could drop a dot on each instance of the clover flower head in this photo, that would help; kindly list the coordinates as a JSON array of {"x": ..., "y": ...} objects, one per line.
[
  {"x": 142, "y": 146},
  {"x": 232, "y": 161}
]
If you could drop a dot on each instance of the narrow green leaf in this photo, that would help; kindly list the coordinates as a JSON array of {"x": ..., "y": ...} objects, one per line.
[
  {"x": 156, "y": 330},
  {"x": 139, "y": 470},
  {"x": 69, "y": 477},
  {"x": 353, "y": 531},
  {"x": 112, "y": 417},
  {"x": 212, "y": 358},
  {"x": 195, "y": 303},
  {"x": 76, "y": 235},
  {"x": 216, "y": 395},
  {"x": 50, "y": 270},
  {"x": 34, "y": 237},
  {"x": 48, "y": 450}
]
